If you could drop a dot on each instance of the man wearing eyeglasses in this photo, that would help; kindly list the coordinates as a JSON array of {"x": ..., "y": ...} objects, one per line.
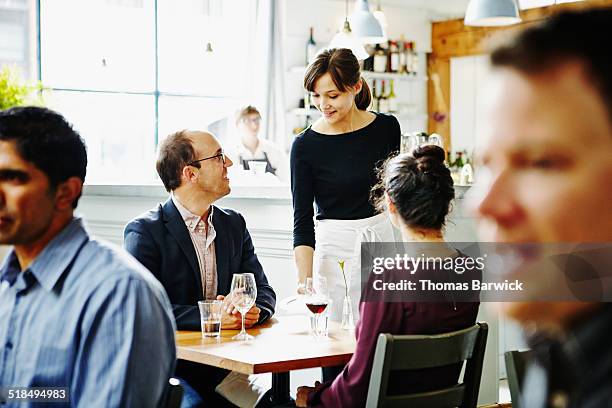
[{"x": 194, "y": 247}]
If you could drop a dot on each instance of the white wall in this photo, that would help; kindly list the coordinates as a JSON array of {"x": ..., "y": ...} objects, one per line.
[
  {"x": 468, "y": 82},
  {"x": 468, "y": 97}
]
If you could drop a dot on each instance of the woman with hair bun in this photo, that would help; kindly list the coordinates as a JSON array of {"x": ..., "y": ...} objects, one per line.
[
  {"x": 333, "y": 165},
  {"x": 416, "y": 191}
]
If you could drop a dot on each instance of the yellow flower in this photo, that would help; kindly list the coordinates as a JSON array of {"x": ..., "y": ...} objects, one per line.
[{"x": 341, "y": 263}]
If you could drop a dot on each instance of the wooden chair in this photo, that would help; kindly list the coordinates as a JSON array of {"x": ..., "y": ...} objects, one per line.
[
  {"x": 413, "y": 352},
  {"x": 516, "y": 364},
  {"x": 174, "y": 394}
]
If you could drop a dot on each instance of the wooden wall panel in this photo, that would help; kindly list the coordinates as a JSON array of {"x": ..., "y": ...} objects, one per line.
[{"x": 453, "y": 39}]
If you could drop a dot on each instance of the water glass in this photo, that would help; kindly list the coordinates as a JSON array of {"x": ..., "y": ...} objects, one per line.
[{"x": 210, "y": 317}]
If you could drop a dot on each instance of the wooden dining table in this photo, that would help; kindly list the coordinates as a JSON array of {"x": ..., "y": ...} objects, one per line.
[{"x": 280, "y": 345}]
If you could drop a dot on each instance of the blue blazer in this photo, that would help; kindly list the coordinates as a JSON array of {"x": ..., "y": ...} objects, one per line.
[{"x": 159, "y": 239}]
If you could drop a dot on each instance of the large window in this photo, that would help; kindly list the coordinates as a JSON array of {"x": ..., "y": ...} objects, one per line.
[
  {"x": 16, "y": 36},
  {"x": 128, "y": 72}
]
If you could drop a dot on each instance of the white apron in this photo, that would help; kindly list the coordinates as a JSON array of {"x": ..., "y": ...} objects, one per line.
[{"x": 341, "y": 240}]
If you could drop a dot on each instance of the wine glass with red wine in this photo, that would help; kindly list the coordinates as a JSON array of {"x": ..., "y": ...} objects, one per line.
[{"x": 317, "y": 301}]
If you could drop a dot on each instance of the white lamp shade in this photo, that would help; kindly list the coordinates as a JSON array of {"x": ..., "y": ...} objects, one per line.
[
  {"x": 489, "y": 13},
  {"x": 346, "y": 39},
  {"x": 382, "y": 19},
  {"x": 365, "y": 26}
]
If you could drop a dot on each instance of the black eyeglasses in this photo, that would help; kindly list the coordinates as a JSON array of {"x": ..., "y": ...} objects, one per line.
[{"x": 221, "y": 155}]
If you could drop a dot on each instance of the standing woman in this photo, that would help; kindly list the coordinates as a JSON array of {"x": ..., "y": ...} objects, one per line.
[{"x": 333, "y": 164}]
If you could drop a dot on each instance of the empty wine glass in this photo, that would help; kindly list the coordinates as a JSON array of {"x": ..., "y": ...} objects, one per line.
[
  {"x": 317, "y": 301},
  {"x": 244, "y": 293}
]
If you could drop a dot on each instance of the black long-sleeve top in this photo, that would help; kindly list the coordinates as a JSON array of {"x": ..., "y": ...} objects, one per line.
[{"x": 337, "y": 172}]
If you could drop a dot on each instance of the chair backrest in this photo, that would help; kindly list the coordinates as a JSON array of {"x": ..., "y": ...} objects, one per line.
[
  {"x": 413, "y": 352},
  {"x": 174, "y": 394},
  {"x": 516, "y": 364}
]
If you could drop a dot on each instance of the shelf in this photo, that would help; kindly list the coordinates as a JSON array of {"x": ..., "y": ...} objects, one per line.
[
  {"x": 314, "y": 112},
  {"x": 373, "y": 75},
  {"x": 394, "y": 76}
]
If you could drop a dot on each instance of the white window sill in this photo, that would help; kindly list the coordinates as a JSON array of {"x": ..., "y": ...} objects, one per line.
[{"x": 278, "y": 192}]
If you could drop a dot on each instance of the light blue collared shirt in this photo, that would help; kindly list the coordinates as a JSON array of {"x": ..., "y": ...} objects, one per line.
[{"x": 87, "y": 316}]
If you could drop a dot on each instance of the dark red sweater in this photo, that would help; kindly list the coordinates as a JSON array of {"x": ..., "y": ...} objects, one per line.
[{"x": 350, "y": 388}]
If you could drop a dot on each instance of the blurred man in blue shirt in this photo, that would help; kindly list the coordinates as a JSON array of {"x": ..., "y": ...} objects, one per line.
[{"x": 75, "y": 313}]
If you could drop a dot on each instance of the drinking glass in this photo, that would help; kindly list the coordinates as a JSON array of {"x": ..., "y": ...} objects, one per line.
[
  {"x": 243, "y": 295},
  {"x": 317, "y": 301},
  {"x": 210, "y": 317}
]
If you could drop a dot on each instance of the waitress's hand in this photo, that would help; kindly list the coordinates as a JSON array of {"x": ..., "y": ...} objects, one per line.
[{"x": 301, "y": 288}]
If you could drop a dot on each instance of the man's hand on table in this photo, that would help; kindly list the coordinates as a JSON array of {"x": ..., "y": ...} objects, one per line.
[
  {"x": 231, "y": 318},
  {"x": 301, "y": 399}
]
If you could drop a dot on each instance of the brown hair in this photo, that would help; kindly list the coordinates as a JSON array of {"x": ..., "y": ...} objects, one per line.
[
  {"x": 343, "y": 67},
  {"x": 565, "y": 37},
  {"x": 419, "y": 184},
  {"x": 246, "y": 111},
  {"x": 175, "y": 152}
]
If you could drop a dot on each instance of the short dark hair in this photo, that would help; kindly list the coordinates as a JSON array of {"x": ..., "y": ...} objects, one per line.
[
  {"x": 175, "y": 152},
  {"x": 570, "y": 35},
  {"x": 419, "y": 184},
  {"x": 344, "y": 69},
  {"x": 44, "y": 138}
]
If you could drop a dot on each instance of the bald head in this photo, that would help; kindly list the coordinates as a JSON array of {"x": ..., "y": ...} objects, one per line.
[
  {"x": 178, "y": 150},
  {"x": 198, "y": 135}
]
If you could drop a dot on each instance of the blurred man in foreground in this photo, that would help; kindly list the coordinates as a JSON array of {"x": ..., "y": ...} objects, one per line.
[
  {"x": 548, "y": 179},
  {"x": 75, "y": 313}
]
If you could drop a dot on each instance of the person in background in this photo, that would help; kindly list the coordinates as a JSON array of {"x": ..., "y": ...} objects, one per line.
[
  {"x": 194, "y": 247},
  {"x": 416, "y": 190},
  {"x": 251, "y": 147},
  {"x": 74, "y": 312},
  {"x": 333, "y": 165},
  {"x": 548, "y": 167}
]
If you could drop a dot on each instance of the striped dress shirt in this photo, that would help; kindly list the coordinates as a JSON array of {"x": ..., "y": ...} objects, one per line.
[{"x": 203, "y": 240}]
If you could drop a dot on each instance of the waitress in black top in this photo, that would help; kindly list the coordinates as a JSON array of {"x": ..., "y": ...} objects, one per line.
[{"x": 333, "y": 164}]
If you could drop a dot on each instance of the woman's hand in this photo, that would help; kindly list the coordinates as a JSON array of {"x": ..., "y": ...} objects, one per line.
[{"x": 303, "y": 393}]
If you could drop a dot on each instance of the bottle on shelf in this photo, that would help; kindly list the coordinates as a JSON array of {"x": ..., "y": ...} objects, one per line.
[
  {"x": 311, "y": 48},
  {"x": 368, "y": 63},
  {"x": 401, "y": 45},
  {"x": 374, "y": 105},
  {"x": 391, "y": 98},
  {"x": 412, "y": 60},
  {"x": 380, "y": 59},
  {"x": 393, "y": 57},
  {"x": 383, "y": 104},
  {"x": 467, "y": 173}
]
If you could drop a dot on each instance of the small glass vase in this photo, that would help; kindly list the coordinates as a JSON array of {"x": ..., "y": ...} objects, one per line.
[{"x": 347, "y": 314}]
